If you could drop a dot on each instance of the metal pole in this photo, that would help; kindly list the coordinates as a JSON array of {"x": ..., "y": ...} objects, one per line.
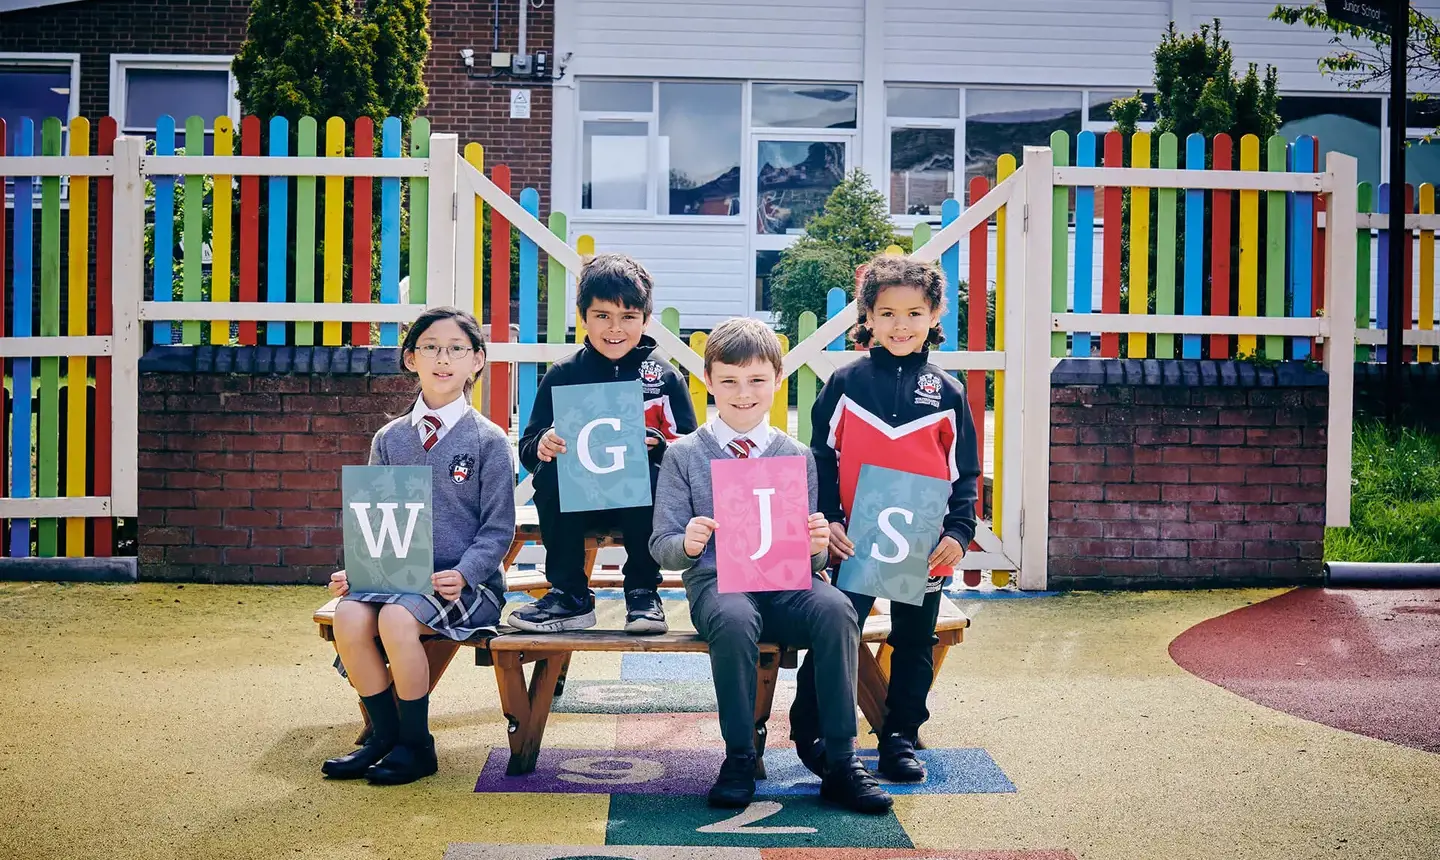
[{"x": 1399, "y": 284}]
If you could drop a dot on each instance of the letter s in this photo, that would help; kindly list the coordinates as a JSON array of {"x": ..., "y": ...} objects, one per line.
[
  {"x": 616, "y": 453},
  {"x": 902, "y": 548}
]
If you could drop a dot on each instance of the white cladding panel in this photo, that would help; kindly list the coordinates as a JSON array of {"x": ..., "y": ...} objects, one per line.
[
  {"x": 780, "y": 39},
  {"x": 700, "y": 269},
  {"x": 1056, "y": 42}
]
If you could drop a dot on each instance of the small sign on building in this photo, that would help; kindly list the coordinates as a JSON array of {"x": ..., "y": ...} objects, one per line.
[
  {"x": 1374, "y": 15},
  {"x": 519, "y": 104}
]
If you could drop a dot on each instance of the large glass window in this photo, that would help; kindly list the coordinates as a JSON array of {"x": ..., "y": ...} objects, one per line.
[
  {"x": 1342, "y": 124},
  {"x": 1001, "y": 121},
  {"x": 922, "y": 170},
  {"x": 147, "y": 87},
  {"x": 804, "y": 105},
  {"x": 35, "y": 90},
  {"x": 794, "y": 178},
  {"x": 700, "y": 148},
  {"x": 682, "y": 140}
]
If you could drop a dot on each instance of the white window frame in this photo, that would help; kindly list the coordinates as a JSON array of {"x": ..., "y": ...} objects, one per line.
[
  {"x": 957, "y": 123},
  {"x": 120, "y": 64},
  {"x": 658, "y": 176},
  {"x": 57, "y": 60}
]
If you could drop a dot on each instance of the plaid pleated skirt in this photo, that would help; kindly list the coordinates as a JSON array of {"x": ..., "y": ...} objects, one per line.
[{"x": 476, "y": 612}]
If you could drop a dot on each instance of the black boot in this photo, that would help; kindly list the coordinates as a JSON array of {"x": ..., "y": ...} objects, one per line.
[
  {"x": 812, "y": 754},
  {"x": 414, "y": 755},
  {"x": 384, "y": 730},
  {"x": 735, "y": 786},
  {"x": 850, "y": 785},
  {"x": 898, "y": 761}
]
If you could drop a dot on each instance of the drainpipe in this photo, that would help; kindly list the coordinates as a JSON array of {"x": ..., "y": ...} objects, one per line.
[
  {"x": 524, "y": 7},
  {"x": 1377, "y": 575}
]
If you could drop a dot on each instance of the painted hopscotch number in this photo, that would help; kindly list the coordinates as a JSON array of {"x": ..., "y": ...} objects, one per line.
[
  {"x": 744, "y": 822},
  {"x": 610, "y": 770}
]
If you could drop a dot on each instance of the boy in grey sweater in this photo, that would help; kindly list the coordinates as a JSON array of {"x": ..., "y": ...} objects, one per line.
[{"x": 742, "y": 370}]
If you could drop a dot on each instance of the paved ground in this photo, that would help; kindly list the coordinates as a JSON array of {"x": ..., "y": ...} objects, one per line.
[{"x": 160, "y": 721}]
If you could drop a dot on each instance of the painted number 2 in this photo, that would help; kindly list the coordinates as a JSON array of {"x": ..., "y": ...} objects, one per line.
[{"x": 757, "y": 811}]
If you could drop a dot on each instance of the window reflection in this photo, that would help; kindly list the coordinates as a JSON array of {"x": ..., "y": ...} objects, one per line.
[
  {"x": 804, "y": 105},
  {"x": 1001, "y": 121},
  {"x": 793, "y": 181},
  {"x": 922, "y": 170},
  {"x": 1348, "y": 125},
  {"x": 700, "y": 136}
]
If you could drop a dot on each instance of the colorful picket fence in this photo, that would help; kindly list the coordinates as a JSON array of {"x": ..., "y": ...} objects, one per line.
[{"x": 57, "y": 409}]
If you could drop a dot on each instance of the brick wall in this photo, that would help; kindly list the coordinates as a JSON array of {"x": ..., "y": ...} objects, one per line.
[
  {"x": 1186, "y": 473},
  {"x": 240, "y": 457},
  {"x": 1420, "y": 401},
  {"x": 477, "y": 111}
]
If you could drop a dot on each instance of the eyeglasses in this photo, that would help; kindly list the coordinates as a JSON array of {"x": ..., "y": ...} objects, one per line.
[{"x": 431, "y": 350}]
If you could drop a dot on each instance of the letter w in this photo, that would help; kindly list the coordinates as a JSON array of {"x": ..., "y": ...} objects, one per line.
[{"x": 387, "y": 526}]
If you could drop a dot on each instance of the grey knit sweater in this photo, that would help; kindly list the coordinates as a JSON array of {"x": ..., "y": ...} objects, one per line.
[
  {"x": 684, "y": 492},
  {"x": 474, "y": 515}
]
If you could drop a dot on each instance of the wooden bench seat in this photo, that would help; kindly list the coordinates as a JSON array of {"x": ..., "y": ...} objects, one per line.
[
  {"x": 533, "y": 582},
  {"x": 527, "y": 705}
]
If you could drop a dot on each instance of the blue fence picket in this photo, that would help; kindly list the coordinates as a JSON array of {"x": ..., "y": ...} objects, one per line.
[
  {"x": 1194, "y": 242},
  {"x": 529, "y": 305},
  {"x": 275, "y": 280},
  {"x": 950, "y": 264},
  {"x": 835, "y": 302},
  {"x": 1302, "y": 218},
  {"x": 164, "y": 225},
  {"x": 22, "y": 326},
  {"x": 1382, "y": 274},
  {"x": 1084, "y": 243},
  {"x": 391, "y": 134}
]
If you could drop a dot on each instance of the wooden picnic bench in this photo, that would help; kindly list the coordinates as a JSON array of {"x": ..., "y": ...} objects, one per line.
[{"x": 527, "y": 706}]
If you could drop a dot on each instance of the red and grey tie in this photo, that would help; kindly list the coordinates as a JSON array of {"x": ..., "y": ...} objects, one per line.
[
  {"x": 740, "y": 447},
  {"x": 430, "y": 431}
]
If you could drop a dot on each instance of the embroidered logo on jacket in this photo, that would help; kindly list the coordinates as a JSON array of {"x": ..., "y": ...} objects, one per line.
[
  {"x": 651, "y": 372},
  {"x": 461, "y": 468},
  {"x": 927, "y": 390}
]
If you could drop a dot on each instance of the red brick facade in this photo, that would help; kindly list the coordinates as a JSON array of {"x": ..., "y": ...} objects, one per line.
[
  {"x": 240, "y": 472},
  {"x": 1216, "y": 480},
  {"x": 477, "y": 111}
]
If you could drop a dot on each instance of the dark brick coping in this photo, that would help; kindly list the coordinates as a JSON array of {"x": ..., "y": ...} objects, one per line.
[
  {"x": 1187, "y": 372},
  {"x": 374, "y": 361}
]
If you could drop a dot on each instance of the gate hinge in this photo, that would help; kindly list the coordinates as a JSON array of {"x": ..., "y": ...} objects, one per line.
[
  {"x": 454, "y": 206},
  {"x": 1022, "y": 523},
  {"x": 1025, "y": 218}
]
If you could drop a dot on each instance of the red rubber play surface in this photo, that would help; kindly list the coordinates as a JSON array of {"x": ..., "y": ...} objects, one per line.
[{"x": 1363, "y": 660}]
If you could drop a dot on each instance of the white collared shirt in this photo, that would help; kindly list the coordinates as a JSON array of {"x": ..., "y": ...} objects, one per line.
[
  {"x": 759, "y": 435},
  {"x": 449, "y": 414}
]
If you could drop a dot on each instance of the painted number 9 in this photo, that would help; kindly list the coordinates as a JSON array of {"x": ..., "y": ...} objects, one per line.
[{"x": 610, "y": 770}]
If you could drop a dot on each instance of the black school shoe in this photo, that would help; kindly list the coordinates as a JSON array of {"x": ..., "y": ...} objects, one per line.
[
  {"x": 556, "y": 612},
  {"x": 851, "y": 786},
  {"x": 644, "y": 614},
  {"x": 898, "y": 761},
  {"x": 735, "y": 786},
  {"x": 354, "y": 765},
  {"x": 404, "y": 764}
]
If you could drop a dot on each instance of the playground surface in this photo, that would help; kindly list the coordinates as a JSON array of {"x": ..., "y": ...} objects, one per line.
[{"x": 168, "y": 721}]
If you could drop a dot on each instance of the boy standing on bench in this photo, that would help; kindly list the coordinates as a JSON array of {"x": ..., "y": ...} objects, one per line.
[
  {"x": 742, "y": 369},
  {"x": 614, "y": 300}
]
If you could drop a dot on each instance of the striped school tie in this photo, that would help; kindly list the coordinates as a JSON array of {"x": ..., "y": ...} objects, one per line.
[
  {"x": 430, "y": 431},
  {"x": 740, "y": 447}
]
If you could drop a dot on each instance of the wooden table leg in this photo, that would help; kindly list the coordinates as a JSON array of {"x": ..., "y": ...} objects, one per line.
[
  {"x": 872, "y": 689},
  {"x": 527, "y": 709},
  {"x": 768, "y": 673}
]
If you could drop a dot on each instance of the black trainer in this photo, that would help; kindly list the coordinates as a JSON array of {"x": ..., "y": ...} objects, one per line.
[
  {"x": 812, "y": 754},
  {"x": 555, "y": 612},
  {"x": 851, "y": 786},
  {"x": 644, "y": 614},
  {"x": 735, "y": 786},
  {"x": 898, "y": 761}
]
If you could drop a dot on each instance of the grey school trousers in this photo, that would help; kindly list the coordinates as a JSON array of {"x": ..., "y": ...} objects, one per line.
[{"x": 821, "y": 619}]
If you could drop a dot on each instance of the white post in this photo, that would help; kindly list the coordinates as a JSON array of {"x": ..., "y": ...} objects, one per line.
[
  {"x": 444, "y": 152},
  {"x": 128, "y": 286},
  {"x": 1340, "y": 288},
  {"x": 466, "y": 248},
  {"x": 1013, "y": 471},
  {"x": 1034, "y": 296}
]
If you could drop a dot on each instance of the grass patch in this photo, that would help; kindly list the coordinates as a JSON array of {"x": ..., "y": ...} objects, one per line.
[{"x": 1395, "y": 498}]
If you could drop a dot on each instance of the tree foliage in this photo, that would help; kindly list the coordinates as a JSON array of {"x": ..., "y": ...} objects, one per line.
[
  {"x": 1196, "y": 89},
  {"x": 325, "y": 58},
  {"x": 1362, "y": 57}
]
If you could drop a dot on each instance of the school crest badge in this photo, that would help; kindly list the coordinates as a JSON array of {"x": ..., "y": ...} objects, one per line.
[
  {"x": 927, "y": 390},
  {"x": 461, "y": 468},
  {"x": 651, "y": 371}
]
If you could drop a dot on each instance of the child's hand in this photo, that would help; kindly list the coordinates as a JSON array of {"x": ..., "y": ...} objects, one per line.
[
  {"x": 551, "y": 446},
  {"x": 651, "y": 441},
  {"x": 819, "y": 533},
  {"x": 697, "y": 535},
  {"x": 840, "y": 544},
  {"x": 447, "y": 583},
  {"x": 339, "y": 584},
  {"x": 947, "y": 553}
]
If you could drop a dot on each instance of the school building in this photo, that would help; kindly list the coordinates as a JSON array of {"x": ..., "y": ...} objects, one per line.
[{"x": 700, "y": 136}]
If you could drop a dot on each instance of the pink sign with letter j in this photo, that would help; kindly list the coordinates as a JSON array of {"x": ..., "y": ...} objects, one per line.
[{"x": 762, "y": 516}]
